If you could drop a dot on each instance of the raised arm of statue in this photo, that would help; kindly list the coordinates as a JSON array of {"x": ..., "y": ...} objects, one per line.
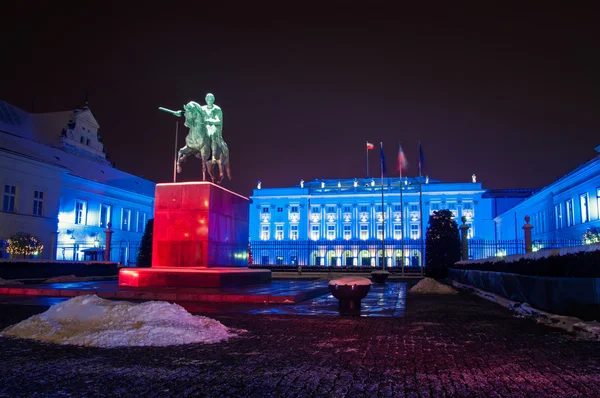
[{"x": 174, "y": 113}]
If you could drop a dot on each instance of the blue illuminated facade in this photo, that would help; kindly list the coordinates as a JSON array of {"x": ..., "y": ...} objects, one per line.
[
  {"x": 564, "y": 209},
  {"x": 342, "y": 219},
  {"x": 58, "y": 185}
]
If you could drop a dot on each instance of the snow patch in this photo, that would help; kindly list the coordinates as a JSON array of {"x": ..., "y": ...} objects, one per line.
[
  {"x": 431, "y": 286},
  {"x": 73, "y": 278},
  {"x": 351, "y": 281},
  {"x": 95, "y": 322},
  {"x": 568, "y": 323},
  {"x": 9, "y": 282},
  {"x": 544, "y": 253}
]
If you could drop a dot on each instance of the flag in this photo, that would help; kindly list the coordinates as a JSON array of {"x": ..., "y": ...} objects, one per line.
[
  {"x": 402, "y": 161},
  {"x": 370, "y": 145},
  {"x": 421, "y": 161},
  {"x": 382, "y": 159}
]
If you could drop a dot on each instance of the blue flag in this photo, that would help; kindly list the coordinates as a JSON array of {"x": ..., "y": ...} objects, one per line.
[{"x": 382, "y": 159}]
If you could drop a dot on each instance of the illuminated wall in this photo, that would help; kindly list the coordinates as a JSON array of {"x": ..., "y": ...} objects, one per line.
[{"x": 564, "y": 209}]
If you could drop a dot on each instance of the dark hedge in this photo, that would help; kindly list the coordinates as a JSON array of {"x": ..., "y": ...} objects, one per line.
[{"x": 576, "y": 265}]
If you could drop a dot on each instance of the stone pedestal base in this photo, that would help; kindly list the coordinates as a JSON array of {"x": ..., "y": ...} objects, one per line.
[{"x": 192, "y": 277}]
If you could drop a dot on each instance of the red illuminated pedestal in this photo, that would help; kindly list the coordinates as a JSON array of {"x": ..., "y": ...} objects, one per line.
[{"x": 199, "y": 228}]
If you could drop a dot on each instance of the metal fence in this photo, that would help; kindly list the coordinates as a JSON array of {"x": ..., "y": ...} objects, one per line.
[
  {"x": 480, "y": 249},
  {"x": 124, "y": 252},
  {"x": 340, "y": 253}
]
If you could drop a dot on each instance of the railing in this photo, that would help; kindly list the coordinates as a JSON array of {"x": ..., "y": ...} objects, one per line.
[
  {"x": 124, "y": 252},
  {"x": 337, "y": 253},
  {"x": 480, "y": 249}
]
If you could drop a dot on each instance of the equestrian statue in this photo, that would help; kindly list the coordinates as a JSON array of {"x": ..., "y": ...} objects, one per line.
[{"x": 205, "y": 138}]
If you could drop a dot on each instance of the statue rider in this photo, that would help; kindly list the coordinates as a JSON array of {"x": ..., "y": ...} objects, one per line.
[{"x": 213, "y": 119}]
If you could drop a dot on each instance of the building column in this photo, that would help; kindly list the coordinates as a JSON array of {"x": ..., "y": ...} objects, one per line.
[
  {"x": 527, "y": 231},
  {"x": 108, "y": 233}
]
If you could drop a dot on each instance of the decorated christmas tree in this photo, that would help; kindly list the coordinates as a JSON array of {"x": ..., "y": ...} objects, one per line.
[
  {"x": 443, "y": 244},
  {"x": 24, "y": 243}
]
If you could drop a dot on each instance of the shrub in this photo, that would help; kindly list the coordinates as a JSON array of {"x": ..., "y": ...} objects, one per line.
[
  {"x": 145, "y": 254},
  {"x": 442, "y": 244}
]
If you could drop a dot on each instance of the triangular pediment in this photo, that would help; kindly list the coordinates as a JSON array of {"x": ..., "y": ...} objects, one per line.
[{"x": 87, "y": 116}]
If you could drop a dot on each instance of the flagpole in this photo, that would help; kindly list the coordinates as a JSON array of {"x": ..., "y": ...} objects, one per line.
[
  {"x": 367, "y": 146},
  {"x": 421, "y": 207},
  {"x": 382, "y": 215},
  {"x": 401, "y": 215}
]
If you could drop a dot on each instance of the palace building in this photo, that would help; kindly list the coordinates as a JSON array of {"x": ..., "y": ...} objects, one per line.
[
  {"x": 58, "y": 185},
  {"x": 343, "y": 222}
]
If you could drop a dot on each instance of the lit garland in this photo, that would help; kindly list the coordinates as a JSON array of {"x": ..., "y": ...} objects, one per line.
[
  {"x": 25, "y": 244},
  {"x": 592, "y": 235}
]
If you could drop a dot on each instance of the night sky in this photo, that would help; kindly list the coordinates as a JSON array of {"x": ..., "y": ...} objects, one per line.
[{"x": 512, "y": 95}]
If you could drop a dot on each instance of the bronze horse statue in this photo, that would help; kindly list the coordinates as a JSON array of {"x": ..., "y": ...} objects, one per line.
[{"x": 198, "y": 143}]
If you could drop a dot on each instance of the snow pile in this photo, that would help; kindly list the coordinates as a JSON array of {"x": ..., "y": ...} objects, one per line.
[
  {"x": 568, "y": 323},
  {"x": 351, "y": 281},
  {"x": 73, "y": 278},
  {"x": 95, "y": 322},
  {"x": 9, "y": 282},
  {"x": 431, "y": 286}
]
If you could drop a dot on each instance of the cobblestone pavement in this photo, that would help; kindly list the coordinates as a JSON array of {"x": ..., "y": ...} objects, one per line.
[{"x": 443, "y": 346}]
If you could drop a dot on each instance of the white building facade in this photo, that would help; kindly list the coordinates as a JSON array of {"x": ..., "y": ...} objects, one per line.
[
  {"x": 563, "y": 210},
  {"x": 59, "y": 186},
  {"x": 343, "y": 222}
]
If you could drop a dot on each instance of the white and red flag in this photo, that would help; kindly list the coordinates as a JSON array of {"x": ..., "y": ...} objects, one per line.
[{"x": 402, "y": 161}]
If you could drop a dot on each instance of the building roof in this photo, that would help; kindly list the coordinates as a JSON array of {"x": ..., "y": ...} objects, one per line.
[{"x": 33, "y": 136}]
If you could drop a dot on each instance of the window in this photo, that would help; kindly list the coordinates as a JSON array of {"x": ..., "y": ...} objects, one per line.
[
  {"x": 470, "y": 230},
  {"x": 347, "y": 209},
  {"x": 467, "y": 205},
  {"x": 294, "y": 232},
  {"x": 331, "y": 232},
  {"x": 38, "y": 203},
  {"x": 414, "y": 207},
  {"x": 379, "y": 231},
  {"x": 265, "y": 209},
  {"x": 570, "y": 212},
  {"x": 452, "y": 206},
  {"x": 397, "y": 231},
  {"x": 279, "y": 260},
  {"x": 105, "y": 215},
  {"x": 598, "y": 201},
  {"x": 314, "y": 232},
  {"x": 364, "y": 232},
  {"x": 396, "y": 207},
  {"x": 558, "y": 218},
  {"x": 583, "y": 202},
  {"x": 315, "y": 209},
  {"x": 435, "y": 206},
  {"x": 87, "y": 141},
  {"x": 347, "y": 232},
  {"x": 364, "y": 209},
  {"x": 80, "y": 212},
  {"x": 141, "y": 221},
  {"x": 265, "y": 260},
  {"x": 126, "y": 220},
  {"x": 414, "y": 231},
  {"x": 10, "y": 195},
  {"x": 264, "y": 232},
  {"x": 81, "y": 139},
  {"x": 280, "y": 210},
  {"x": 378, "y": 208},
  {"x": 330, "y": 209},
  {"x": 293, "y": 209},
  {"x": 279, "y": 232},
  {"x": 294, "y": 259}
]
